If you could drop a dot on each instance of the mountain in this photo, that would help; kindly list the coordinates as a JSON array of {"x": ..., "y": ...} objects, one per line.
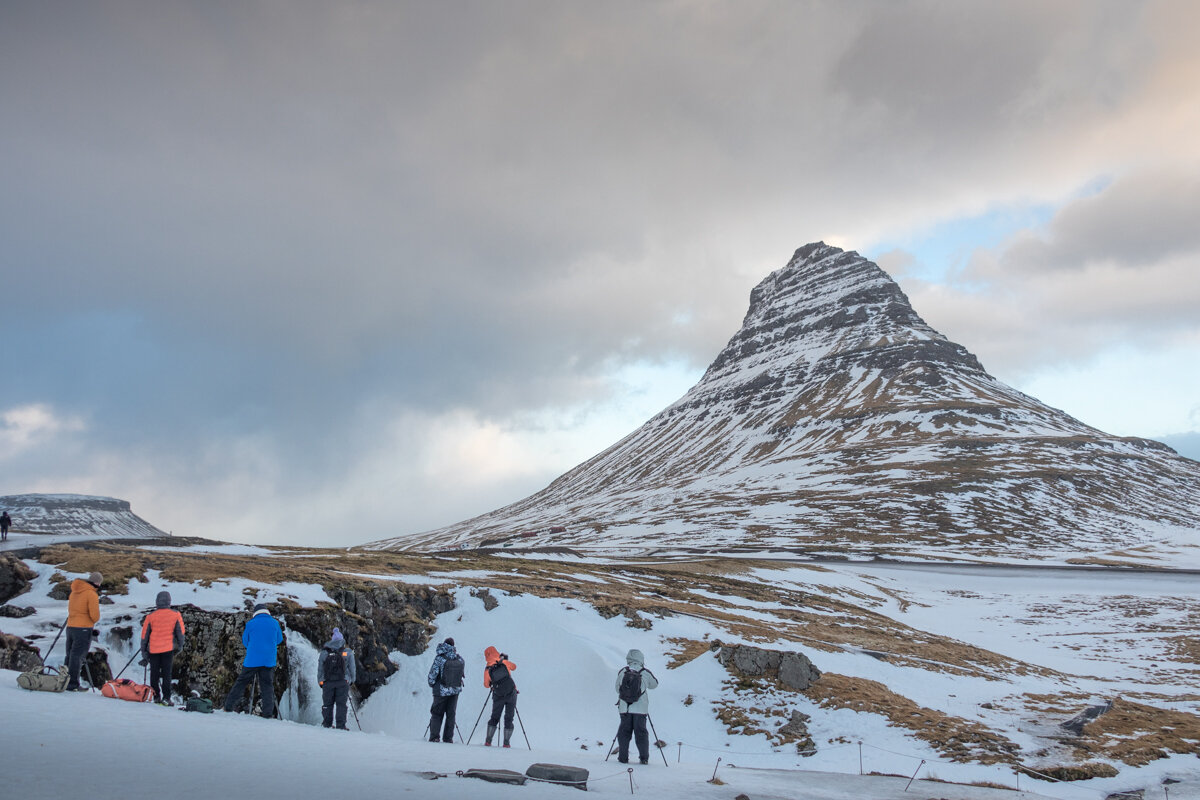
[
  {"x": 75, "y": 514},
  {"x": 838, "y": 423}
]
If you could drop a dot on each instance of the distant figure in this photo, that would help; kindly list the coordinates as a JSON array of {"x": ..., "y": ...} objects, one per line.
[
  {"x": 261, "y": 638},
  {"x": 162, "y": 637},
  {"x": 5, "y": 521},
  {"x": 446, "y": 678},
  {"x": 633, "y": 681},
  {"x": 83, "y": 612},
  {"x": 336, "y": 670},
  {"x": 497, "y": 677}
]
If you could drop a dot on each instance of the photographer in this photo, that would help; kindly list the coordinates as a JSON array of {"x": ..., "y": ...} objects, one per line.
[{"x": 497, "y": 677}]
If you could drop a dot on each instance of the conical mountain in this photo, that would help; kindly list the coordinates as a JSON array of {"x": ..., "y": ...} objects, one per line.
[{"x": 837, "y": 422}]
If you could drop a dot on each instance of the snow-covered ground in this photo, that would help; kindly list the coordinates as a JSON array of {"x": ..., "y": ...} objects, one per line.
[{"x": 567, "y": 657}]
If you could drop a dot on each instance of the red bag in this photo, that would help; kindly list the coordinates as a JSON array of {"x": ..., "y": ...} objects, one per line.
[{"x": 125, "y": 689}]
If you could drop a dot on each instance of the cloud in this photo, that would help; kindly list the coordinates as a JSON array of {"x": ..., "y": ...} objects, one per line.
[{"x": 241, "y": 240}]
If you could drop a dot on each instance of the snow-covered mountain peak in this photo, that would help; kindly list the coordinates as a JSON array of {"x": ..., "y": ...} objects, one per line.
[{"x": 836, "y": 420}]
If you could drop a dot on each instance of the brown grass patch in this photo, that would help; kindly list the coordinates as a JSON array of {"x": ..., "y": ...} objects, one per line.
[
  {"x": 956, "y": 738},
  {"x": 1138, "y": 734},
  {"x": 683, "y": 651}
]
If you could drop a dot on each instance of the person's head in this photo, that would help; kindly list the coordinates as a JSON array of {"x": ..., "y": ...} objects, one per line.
[
  {"x": 261, "y": 607},
  {"x": 163, "y": 600},
  {"x": 95, "y": 579},
  {"x": 337, "y": 636},
  {"x": 450, "y": 641}
]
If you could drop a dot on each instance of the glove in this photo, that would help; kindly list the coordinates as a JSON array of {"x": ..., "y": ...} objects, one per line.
[
  {"x": 321, "y": 684},
  {"x": 143, "y": 662}
]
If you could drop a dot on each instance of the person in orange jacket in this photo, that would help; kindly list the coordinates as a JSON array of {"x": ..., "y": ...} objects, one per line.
[
  {"x": 83, "y": 612},
  {"x": 497, "y": 676},
  {"x": 162, "y": 637}
]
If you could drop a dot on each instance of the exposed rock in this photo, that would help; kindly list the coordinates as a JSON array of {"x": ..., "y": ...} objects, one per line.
[
  {"x": 212, "y": 655},
  {"x": 17, "y": 611},
  {"x": 1131, "y": 794},
  {"x": 15, "y": 577},
  {"x": 18, "y": 654},
  {"x": 796, "y": 730},
  {"x": 489, "y": 602},
  {"x": 1076, "y": 723},
  {"x": 61, "y": 591},
  {"x": 793, "y": 670},
  {"x": 1073, "y": 772}
]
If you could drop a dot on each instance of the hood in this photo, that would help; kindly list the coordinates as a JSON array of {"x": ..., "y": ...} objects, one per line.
[
  {"x": 446, "y": 650},
  {"x": 79, "y": 585},
  {"x": 336, "y": 643},
  {"x": 163, "y": 600},
  {"x": 491, "y": 655},
  {"x": 635, "y": 659}
]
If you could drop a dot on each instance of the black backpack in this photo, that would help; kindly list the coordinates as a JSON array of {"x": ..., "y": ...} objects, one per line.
[
  {"x": 452, "y": 672},
  {"x": 500, "y": 678},
  {"x": 335, "y": 665},
  {"x": 631, "y": 687}
]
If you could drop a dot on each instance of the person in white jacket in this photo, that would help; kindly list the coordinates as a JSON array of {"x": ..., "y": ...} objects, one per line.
[{"x": 633, "y": 703}]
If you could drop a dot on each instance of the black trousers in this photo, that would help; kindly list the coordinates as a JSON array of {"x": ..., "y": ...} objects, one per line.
[
  {"x": 633, "y": 725},
  {"x": 79, "y": 640},
  {"x": 506, "y": 705},
  {"x": 266, "y": 688},
  {"x": 443, "y": 706},
  {"x": 160, "y": 674},
  {"x": 334, "y": 695}
]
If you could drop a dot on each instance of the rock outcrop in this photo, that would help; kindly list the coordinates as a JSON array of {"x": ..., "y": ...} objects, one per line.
[
  {"x": 793, "y": 670},
  {"x": 75, "y": 514},
  {"x": 15, "y": 577}
]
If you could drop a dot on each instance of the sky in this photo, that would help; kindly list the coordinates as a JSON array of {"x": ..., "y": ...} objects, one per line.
[{"x": 317, "y": 272}]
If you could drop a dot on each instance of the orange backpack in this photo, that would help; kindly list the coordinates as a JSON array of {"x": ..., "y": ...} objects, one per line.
[{"x": 125, "y": 689}]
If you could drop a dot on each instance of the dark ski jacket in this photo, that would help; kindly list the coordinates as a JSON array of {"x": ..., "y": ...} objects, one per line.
[
  {"x": 445, "y": 652},
  {"x": 339, "y": 645}
]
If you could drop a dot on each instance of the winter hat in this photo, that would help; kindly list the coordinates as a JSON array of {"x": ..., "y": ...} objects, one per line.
[
  {"x": 260, "y": 607},
  {"x": 95, "y": 578},
  {"x": 163, "y": 600},
  {"x": 450, "y": 641},
  {"x": 337, "y": 635}
]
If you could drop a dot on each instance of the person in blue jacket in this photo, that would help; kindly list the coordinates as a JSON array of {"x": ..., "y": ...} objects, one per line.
[{"x": 261, "y": 637}]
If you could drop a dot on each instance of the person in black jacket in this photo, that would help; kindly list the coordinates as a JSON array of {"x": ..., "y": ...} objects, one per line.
[
  {"x": 336, "y": 670},
  {"x": 498, "y": 677}
]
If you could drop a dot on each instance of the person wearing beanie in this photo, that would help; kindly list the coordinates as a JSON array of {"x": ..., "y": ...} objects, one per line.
[
  {"x": 162, "y": 637},
  {"x": 261, "y": 637},
  {"x": 497, "y": 676},
  {"x": 446, "y": 680},
  {"x": 83, "y": 612},
  {"x": 336, "y": 670},
  {"x": 633, "y": 704}
]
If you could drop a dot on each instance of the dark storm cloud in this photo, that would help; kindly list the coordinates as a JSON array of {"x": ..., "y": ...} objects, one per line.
[{"x": 237, "y": 240}]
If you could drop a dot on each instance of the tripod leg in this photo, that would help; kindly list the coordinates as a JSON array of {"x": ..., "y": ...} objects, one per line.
[
  {"x": 527, "y": 744},
  {"x": 476, "y": 725},
  {"x": 608, "y": 755},
  {"x": 657, "y": 740}
]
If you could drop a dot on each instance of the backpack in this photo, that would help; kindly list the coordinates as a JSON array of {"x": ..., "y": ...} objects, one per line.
[
  {"x": 335, "y": 665},
  {"x": 43, "y": 679},
  {"x": 500, "y": 678},
  {"x": 631, "y": 687},
  {"x": 201, "y": 704},
  {"x": 125, "y": 689},
  {"x": 452, "y": 672}
]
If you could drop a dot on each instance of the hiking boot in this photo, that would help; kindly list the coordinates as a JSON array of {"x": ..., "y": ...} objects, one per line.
[
  {"x": 622, "y": 760},
  {"x": 436, "y": 739},
  {"x": 79, "y": 689},
  {"x": 643, "y": 761},
  {"x": 507, "y": 746},
  {"x": 508, "y": 732}
]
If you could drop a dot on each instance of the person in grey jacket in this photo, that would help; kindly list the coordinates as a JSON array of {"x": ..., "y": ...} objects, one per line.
[
  {"x": 336, "y": 670},
  {"x": 637, "y": 680}
]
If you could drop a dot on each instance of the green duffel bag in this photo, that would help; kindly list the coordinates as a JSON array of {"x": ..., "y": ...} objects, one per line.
[
  {"x": 199, "y": 704},
  {"x": 43, "y": 679}
]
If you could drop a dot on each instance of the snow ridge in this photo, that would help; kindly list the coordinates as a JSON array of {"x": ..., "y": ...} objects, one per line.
[{"x": 76, "y": 514}]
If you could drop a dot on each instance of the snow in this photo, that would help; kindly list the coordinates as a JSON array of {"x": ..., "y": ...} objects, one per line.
[{"x": 567, "y": 657}]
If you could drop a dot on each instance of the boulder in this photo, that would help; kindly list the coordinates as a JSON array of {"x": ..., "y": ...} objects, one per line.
[
  {"x": 17, "y": 612},
  {"x": 15, "y": 577},
  {"x": 793, "y": 670},
  {"x": 1076, "y": 723},
  {"x": 18, "y": 654}
]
